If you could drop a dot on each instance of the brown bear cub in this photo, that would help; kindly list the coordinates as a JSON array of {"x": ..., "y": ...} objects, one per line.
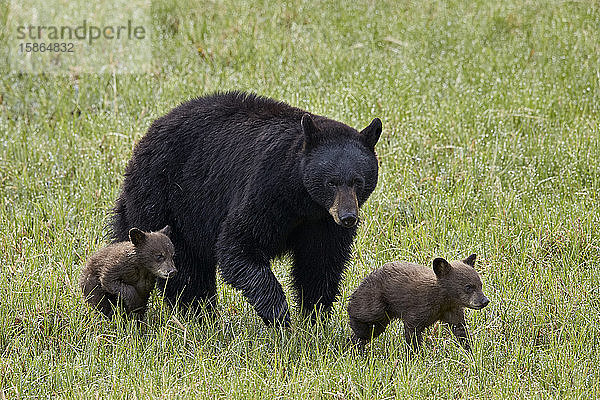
[
  {"x": 124, "y": 273},
  {"x": 417, "y": 295}
]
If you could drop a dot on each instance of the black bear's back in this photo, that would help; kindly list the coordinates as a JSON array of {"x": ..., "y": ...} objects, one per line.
[{"x": 199, "y": 158}]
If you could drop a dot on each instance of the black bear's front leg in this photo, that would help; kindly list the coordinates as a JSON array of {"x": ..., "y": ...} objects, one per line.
[
  {"x": 321, "y": 250},
  {"x": 253, "y": 276},
  {"x": 245, "y": 266}
]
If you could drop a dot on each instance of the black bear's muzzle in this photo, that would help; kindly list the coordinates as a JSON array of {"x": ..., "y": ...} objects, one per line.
[
  {"x": 344, "y": 209},
  {"x": 348, "y": 220}
]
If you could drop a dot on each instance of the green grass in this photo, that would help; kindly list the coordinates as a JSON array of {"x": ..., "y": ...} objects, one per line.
[{"x": 491, "y": 145}]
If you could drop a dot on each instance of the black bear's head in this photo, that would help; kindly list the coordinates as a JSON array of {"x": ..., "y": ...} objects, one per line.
[{"x": 339, "y": 166}]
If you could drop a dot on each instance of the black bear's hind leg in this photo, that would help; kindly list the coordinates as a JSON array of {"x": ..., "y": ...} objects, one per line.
[{"x": 194, "y": 286}]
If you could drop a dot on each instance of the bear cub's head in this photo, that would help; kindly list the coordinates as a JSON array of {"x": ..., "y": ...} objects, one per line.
[
  {"x": 461, "y": 282},
  {"x": 340, "y": 166},
  {"x": 155, "y": 251}
]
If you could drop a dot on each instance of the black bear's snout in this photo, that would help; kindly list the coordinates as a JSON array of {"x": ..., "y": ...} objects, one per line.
[
  {"x": 348, "y": 220},
  {"x": 345, "y": 207}
]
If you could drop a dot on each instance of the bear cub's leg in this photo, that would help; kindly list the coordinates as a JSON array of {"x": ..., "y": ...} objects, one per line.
[
  {"x": 96, "y": 295},
  {"x": 456, "y": 320},
  {"x": 413, "y": 335},
  {"x": 126, "y": 294},
  {"x": 363, "y": 332}
]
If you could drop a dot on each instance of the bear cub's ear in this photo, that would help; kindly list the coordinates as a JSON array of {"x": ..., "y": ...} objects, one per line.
[
  {"x": 470, "y": 260},
  {"x": 371, "y": 133},
  {"x": 310, "y": 131},
  {"x": 166, "y": 231},
  {"x": 441, "y": 267},
  {"x": 136, "y": 236}
]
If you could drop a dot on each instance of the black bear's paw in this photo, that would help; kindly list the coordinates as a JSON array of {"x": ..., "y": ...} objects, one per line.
[
  {"x": 316, "y": 313},
  {"x": 284, "y": 322},
  {"x": 275, "y": 315}
]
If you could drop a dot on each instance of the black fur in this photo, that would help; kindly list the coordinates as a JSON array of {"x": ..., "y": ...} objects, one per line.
[{"x": 242, "y": 179}]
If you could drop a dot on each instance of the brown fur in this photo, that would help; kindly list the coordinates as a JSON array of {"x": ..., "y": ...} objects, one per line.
[
  {"x": 125, "y": 273},
  {"x": 419, "y": 296}
]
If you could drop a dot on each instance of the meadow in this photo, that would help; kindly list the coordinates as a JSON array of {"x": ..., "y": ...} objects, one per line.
[{"x": 490, "y": 145}]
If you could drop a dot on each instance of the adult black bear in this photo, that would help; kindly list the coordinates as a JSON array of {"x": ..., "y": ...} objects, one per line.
[{"x": 242, "y": 179}]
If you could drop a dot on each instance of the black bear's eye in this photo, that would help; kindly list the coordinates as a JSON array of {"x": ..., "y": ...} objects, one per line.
[
  {"x": 160, "y": 257},
  {"x": 470, "y": 288},
  {"x": 330, "y": 183},
  {"x": 357, "y": 182}
]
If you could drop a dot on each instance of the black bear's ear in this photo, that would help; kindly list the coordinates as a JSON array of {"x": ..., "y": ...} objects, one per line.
[
  {"x": 310, "y": 131},
  {"x": 470, "y": 260},
  {"x": 441, "y": 267},
  {"x": 166, "y": 231},
  {"x": 136, "y": 236},
  {"x": 371, "y": 133}
]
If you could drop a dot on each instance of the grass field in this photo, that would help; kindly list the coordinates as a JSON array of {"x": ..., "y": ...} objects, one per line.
[{"x": 491, "y": 144}]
